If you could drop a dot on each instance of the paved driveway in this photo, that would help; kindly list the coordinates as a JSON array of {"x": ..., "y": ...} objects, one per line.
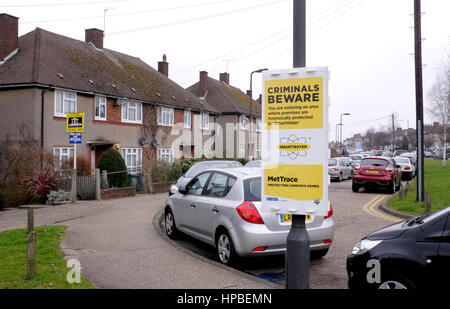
[{"x": 118, "y": 247}]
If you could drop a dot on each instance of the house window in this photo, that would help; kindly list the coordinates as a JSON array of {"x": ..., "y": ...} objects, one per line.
[
  {"x": 62, "y": 154},
  {"x": 131, "y": 111},
  {"x": 243, "y": 122},
  {"x": 100, "y": 108},
  {"x": 65, "y": 102},
  {"x": 258, "y": 124},
  {"x": 241, "y": 151},
  {"x": 133, "y": 158},
  {"x": 187, "y": 119},
  {"x": 165, "y": 116},
  {"x": 204, "y": 121},
  {"x": 165, "y": 154}
]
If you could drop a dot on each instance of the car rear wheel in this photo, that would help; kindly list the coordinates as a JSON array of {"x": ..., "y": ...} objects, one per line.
[
  {"x": 355, "y": 187},
  {"x": 169, "y": 223},
  {"x": 225, "y": 248},
  {"x": 397, "y": 188},
  {"x": 393, "y": 187},
  {"x": 340, "y": 177}
]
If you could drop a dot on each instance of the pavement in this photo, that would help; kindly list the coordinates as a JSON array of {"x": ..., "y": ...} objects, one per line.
[{"x": 118, "y": 246}]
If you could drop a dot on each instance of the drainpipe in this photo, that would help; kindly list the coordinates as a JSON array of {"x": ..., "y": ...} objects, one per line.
[{"x": 42, "y": 118}]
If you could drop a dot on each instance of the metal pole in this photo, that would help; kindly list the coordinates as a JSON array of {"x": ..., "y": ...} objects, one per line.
[
  {"x": 419, "y": 99},
  {"x": 298, "y": 243},
  {"x": 251, "y": 119}
]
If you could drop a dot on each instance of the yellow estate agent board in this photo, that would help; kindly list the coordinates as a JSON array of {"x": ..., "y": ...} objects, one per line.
[
  {"x": 295, "y": 141},
  {"x": 75, "y": 122}
]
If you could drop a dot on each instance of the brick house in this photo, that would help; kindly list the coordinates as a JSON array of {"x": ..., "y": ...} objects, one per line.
[
  {"x": 233, "y": 123},
  {"x": 127, "y": 104}
]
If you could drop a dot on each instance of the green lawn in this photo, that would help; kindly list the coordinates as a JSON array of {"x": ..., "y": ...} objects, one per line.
[
  {"x": 51, "y": 270},
  {"x": 437, "y": 182}
]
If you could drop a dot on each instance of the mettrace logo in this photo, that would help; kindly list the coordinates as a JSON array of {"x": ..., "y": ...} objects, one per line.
[{"x": 293, "y": 147}]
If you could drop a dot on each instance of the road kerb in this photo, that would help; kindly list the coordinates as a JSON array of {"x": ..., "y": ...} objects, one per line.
[{"x": 372, "y": 208}]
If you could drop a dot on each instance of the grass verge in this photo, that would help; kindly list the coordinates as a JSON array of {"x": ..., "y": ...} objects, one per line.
[
  {"x": 51, "y": 269},
  {"x": 437, "y": 182}
]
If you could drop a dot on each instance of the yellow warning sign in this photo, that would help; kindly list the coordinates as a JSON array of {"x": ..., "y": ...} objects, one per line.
[
  {"x": 295, "y": 182},
  {"x": 294, "y": 103}
]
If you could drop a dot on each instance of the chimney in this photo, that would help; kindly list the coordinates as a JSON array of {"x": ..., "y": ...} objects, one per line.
[
  {"x": 225, "y": 77},
  {"x": 249, "y": 93},
  {"x": 203, "y": 83},
  {"x": 95, "y": 36},
  {"x": 163, "y": 66},
  {"x": 259, "y": 99},
  {"x": 9, "y": 35}
]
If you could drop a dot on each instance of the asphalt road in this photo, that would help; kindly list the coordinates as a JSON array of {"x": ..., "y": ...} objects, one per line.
[{"x": 355, "y": 216}]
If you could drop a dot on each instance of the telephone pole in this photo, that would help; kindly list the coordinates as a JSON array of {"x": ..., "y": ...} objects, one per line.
[{"x": 419, "y": 99}]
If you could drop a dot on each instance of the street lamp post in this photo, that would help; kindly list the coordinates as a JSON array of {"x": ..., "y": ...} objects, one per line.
[
  {"x": 345, "y": 114},
  {"x": 251, "y": 115}
]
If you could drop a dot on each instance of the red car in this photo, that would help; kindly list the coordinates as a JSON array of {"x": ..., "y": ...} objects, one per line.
[{"x": 381, "y": 172}]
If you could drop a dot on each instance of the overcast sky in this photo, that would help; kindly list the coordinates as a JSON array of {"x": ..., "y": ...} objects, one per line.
[{"x": 367, "y": 44}]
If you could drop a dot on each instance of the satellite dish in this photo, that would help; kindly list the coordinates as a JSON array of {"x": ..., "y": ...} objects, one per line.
[
  {"x": 154, "y": 143},
  {"x": 143, "y": 141}
]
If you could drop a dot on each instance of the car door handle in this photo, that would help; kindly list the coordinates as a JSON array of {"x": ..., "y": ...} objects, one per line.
[{"x": 215, "y": 210}]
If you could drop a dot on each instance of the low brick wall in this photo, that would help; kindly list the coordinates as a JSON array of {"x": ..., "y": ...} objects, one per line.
[
  {"x": 161, "y": 187},
  {"x": 106, "y": 194}
]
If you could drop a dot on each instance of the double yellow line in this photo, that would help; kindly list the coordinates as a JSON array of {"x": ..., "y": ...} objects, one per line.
[{"x": 372, "y": 208}]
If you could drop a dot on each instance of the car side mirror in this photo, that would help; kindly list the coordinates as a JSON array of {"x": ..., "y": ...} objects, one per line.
[{"x": 182, "y": 189}]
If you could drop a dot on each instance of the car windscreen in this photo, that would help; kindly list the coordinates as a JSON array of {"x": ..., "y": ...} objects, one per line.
[
  {"x": 402, "y": 160},
  {"x": 198, "y": 168},
  {"x": 332, "y": 162},
  {"x": 374, "y": 162},
  {"x": 252, "y": 189}
]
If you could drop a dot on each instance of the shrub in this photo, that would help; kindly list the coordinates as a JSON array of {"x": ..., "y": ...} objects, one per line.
[
  {"x": 83, "y": 165},
  {"x": 57, "y": 197},
  {"x": 111, "y": 161},
  {"x": 41, "y": 183}
]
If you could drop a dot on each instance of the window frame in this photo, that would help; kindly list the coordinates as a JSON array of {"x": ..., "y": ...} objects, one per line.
[
  {"x": 204, "y": 121},
  {"x": 258, "y": 124},
  {"x": 64, "y": 98},
  {"x": 159, "y": 155},
  {"x": 97, "y": 100},
  {"x": 227, "y": 184},
  {"x": 125, "y": 106},
  {"x": 243, "y": 126},
  {"x": 125, "y": 151},
  {"x": 163, "y": 114},
  {"x": 187, "y": 115},
  {"x": 70, "y": 154}
]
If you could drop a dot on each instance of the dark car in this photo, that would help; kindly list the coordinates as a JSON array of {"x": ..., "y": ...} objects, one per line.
[
  {"x": 378, "y": 172},
  {"x": 410, "y": 254}
]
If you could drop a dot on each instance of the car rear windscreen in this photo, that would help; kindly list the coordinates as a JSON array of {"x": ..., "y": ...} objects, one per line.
[
  {"x": 252, "y": 189},
  {"x": 332, "y": 162},
  {"x": 374, "y": 162}
]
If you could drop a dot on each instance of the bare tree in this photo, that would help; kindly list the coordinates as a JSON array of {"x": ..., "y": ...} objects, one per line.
[{"x": 439, "y": 107}]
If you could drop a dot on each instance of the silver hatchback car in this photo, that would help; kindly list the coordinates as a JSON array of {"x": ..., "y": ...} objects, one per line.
[{"x": 222, "y": 207}]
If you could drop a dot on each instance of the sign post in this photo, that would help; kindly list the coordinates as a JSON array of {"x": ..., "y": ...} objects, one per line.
[
  {"x": 75, "y": 127},
  {"x": 295, "y": 157}
]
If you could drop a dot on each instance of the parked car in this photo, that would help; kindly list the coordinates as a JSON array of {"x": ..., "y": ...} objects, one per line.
[
  {"x": 408, "y": 169},
  {"x": 428, "y": 154},
  {"x": 412, "y": 157},
  {"x": 254, "y": 163},
  {"x": 199, "y": 167},
  {"x": 399, "y": 152},
  {"x": 380, "y": 172},
  {"x": 339, "y": 168},
  {"x": 222, "y": 207},
  {"x": 356, "y": 159},
  {"x": 410, "y": 254}
]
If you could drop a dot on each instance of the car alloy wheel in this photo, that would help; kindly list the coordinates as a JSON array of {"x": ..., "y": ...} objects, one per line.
[
  {"x": 171, "y": 229},
  {"x": 225, "y": 248},
  {"x": 392, "y": 285}
]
